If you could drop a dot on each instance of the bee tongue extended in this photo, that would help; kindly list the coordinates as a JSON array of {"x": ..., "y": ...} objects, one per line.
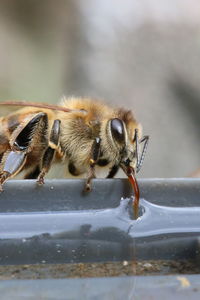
[{"x": 131, "y": 177}]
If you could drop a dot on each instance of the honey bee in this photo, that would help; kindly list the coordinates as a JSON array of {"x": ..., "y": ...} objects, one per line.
[{"x": 83, "y": 133}]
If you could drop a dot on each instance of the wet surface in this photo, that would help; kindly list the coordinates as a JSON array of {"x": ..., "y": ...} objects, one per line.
[{"x": 100, "y": 235}]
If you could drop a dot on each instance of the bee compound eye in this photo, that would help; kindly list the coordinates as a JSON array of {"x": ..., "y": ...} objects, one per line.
[{"x": 117, "y": 130}]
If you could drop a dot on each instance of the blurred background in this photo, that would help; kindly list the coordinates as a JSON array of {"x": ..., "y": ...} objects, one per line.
[{"x": 140, "y": 54}]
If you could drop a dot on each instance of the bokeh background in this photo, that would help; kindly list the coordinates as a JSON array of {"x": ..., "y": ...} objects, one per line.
[{"x": 139, "y": 54}]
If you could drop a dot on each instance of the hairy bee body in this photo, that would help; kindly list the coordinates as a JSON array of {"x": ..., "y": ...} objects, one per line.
[{"x": 91, "y": 133}]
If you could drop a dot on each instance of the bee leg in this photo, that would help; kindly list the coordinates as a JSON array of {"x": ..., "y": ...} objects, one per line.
[
  {"x": 13, "y": 164},
  {"x": 49, "y": 153},
  {"x": 91, "y": 175},
  {"x": 20, "y": 143},
  {"x": 113, "y": 171},
  {"x": 95, "y": 153}
]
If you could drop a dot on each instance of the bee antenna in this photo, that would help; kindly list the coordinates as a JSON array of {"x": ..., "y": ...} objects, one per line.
[
  {"x": 145, "y": 139},
  {"x": 41, "y": 105},
  {"x": 136, "y": 138}
]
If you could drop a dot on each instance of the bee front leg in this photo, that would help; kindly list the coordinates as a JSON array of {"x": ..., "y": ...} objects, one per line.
[
  {"x": 95, "y": 153},
  {"x": 49, "y": 153}
]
